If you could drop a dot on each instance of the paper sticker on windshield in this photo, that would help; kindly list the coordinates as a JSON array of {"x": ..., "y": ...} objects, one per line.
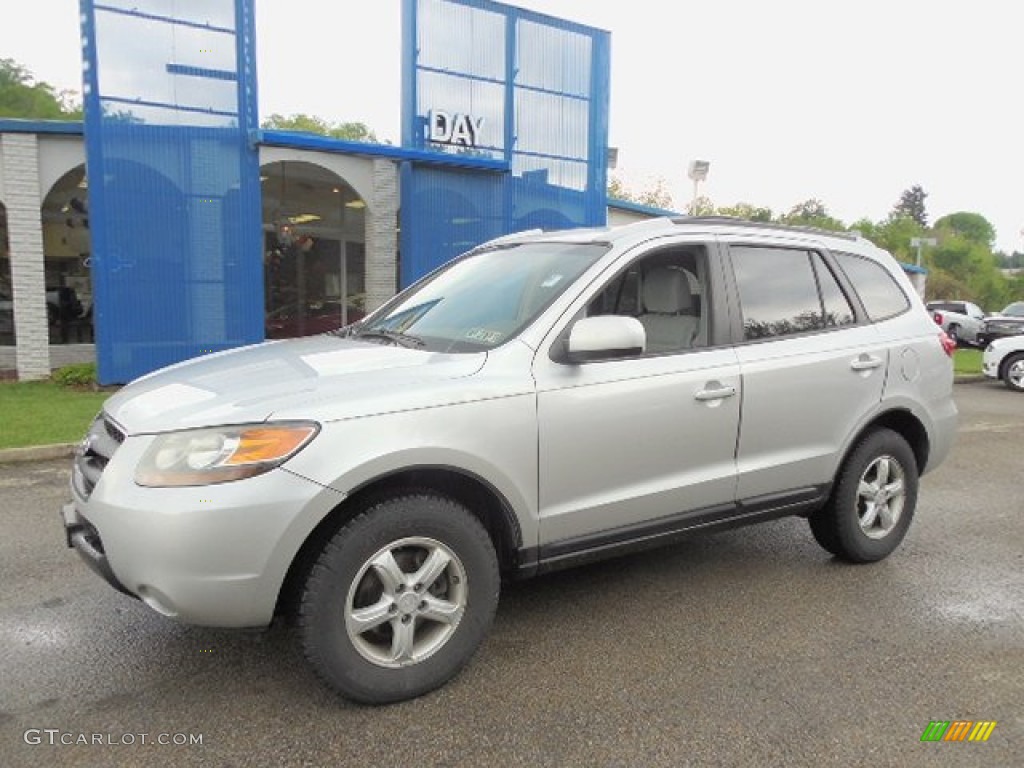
[
  {"x": 484, "y": 336},
  {"x": 551, "y": 281}
]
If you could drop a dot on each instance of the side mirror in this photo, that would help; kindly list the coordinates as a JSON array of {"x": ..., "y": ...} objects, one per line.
[{"x": 605, "y": 337}]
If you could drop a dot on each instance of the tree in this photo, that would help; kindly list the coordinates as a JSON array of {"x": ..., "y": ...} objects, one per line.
[
  {"x": 311, "y": 124},
  {"x": 701, "y": 206},
  {"x": 746, "y": 211},
  {"x": 657, "y": 196},
  {"x": 812, "y": 213},
  {"x": 893, "y": 234},
  {"x": 911, "y": 206},
  {"x": 972, "y": 226},
  {"x": 22, "y": 97}
]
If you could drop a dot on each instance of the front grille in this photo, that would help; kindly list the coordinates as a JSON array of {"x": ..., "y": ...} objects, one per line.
[{"x": 95, "y": 452}]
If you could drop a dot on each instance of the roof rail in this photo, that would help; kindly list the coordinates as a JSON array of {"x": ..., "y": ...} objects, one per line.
[
  {"x": 512, "y": 236},
  {"x": 735, "y": 221}
]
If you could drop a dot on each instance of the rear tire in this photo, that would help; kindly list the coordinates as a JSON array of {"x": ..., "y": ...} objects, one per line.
[
  {"x": 823, "y": 533},
  {"x": 872, "y": 502},
  {"x": 1013, "y": 372},
  {"x": 954, "y": 334},
  {"x": 400, "y": 599}
]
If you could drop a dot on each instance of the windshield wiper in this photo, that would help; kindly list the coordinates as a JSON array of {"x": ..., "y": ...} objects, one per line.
[
  {"x": 395, "y": 337},
  {"x": 352, "y": 329}
]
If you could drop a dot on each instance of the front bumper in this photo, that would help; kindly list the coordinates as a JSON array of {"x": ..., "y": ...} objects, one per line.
[
  {"x": 210, "y": 555},
  {"x": 990, "y": 365},
  {"x": 83, "y": 537}
]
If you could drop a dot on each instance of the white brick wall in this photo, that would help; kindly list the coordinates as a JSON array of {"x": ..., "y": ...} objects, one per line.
[
  {"x": 60, "y": 355},
  {"x": 382, "y": 235},
  {"x": 19, "y": 154}
]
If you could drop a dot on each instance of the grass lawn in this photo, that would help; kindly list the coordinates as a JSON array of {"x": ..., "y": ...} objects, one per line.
[
  {"x": 43, "y": 413},
  {"x": 967, "y": 362}
]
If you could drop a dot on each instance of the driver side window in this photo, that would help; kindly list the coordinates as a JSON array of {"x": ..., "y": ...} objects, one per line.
[{"x": 666, "y": 291}]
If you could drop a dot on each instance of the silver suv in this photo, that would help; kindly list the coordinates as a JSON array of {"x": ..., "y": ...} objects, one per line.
[{"x": 544, "y": 400}]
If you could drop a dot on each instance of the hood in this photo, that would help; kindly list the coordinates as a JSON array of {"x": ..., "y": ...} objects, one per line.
[
  {"x": 250, "y": 384},
  {"x": 1016, "y": 319}
]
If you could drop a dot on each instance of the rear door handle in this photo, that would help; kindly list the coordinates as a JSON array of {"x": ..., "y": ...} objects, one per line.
[
  {"x": 866, "y": 363},
  {"x": 718, "y": 393}
]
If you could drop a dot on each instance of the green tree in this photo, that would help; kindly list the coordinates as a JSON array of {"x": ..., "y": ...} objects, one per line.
[
  {"x": 812, "y": 213},
  {"x": 894, "y": 235},
  {"x": 972, "y": 226},
  {"x": 701, "y": 206},
  {"x": 911, "y": 206},
  {"x": 746, "y": 211},
  {"x": 311, "y": 124},
  {"x": 656, "y": 196},
  {"x": 972, "y": 268},
  {"x": 22, "y": 97}
]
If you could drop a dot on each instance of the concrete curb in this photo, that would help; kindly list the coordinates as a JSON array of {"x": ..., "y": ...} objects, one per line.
[{"x": 37, "y": 453}]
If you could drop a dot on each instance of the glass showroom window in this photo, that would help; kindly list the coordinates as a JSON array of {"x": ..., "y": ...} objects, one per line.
[{"x": 314, "y": 250}]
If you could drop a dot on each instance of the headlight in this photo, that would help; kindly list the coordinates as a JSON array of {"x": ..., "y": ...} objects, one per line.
[{"x": 221, "y": 454}]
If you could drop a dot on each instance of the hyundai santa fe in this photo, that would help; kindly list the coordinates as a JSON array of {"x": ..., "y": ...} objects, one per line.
[{"x": 547, "y": 399}]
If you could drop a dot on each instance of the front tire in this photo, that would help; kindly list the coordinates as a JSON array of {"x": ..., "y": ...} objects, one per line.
[
  {"x": 400, "y": 599},
  {"x": 1013, "y": 372},
  {"x": 872, "y": 502}
]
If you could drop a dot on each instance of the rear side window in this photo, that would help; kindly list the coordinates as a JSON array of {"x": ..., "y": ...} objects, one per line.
[
  {"x": 785, "y": 291},
  {"x": 882, "y": 296},
  {"x": 836, "y": 307}
]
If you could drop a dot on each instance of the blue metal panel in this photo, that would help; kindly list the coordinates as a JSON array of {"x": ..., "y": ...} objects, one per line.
[
  {"x": 540, "y": 86},
  {"x": 173, "y": 180},
  {"x": 454, "y": 211},
  {"x": 328, "y": 144},
  {"x": 16, "y": 125}
]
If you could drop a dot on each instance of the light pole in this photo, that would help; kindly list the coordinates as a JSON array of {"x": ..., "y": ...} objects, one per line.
[
  {"x": 698, "y": 172},
  {"x": 917, "y": 242}
]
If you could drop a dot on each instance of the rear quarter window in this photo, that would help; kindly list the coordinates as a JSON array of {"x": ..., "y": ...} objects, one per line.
[{"x": 881, "y": 295}]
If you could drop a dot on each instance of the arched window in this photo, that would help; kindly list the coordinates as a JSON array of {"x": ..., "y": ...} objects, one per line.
[
  {"x": 66, "y": 249},
  {"x": 314, "y": 250}
]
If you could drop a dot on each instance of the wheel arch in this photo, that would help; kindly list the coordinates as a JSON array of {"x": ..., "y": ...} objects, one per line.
[
  {"x": 479, "y": 497},
  {"x": 905, "y": 424},
  {"x": 1008, "y": 358}
]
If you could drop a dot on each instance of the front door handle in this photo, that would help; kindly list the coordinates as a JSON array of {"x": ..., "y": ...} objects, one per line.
[
  {"x": 715, "y": 392},
  {"x": 866, "y": 363}
]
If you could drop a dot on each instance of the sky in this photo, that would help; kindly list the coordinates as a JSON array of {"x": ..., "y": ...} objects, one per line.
[{"x": 847, "y": 101}]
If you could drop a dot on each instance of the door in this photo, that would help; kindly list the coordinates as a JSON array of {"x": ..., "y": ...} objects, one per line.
[
  {"x": 638, "y": 445},
  {"x": 813, "y": 370}
]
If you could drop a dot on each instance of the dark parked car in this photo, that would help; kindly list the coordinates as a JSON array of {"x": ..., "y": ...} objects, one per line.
[{"x": 1009, "y": 322}]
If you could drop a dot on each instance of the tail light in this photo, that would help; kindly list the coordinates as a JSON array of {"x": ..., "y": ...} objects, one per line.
[
  {"x": 937, "y": 316},
  {"x": 948, "y": 345}
]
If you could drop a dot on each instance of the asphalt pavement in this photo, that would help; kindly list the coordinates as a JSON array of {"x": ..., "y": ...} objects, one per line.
[{"x": 746, "y": 648}]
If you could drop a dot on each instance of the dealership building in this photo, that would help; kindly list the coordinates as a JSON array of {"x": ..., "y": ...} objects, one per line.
[{"x": 168, "y": 225}]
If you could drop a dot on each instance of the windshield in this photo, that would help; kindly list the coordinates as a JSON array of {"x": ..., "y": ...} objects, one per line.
[
  {"x": 483, "y": 299},
  {"x": 1015, "y": 310}
]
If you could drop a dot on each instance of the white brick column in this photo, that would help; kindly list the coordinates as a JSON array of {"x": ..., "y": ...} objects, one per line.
[
  {"x": 19, "y": 154},
  {"x": 382, "y": 235}
]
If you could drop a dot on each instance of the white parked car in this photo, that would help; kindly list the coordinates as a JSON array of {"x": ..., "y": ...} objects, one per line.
[{"x": 1004, "y": 359}]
